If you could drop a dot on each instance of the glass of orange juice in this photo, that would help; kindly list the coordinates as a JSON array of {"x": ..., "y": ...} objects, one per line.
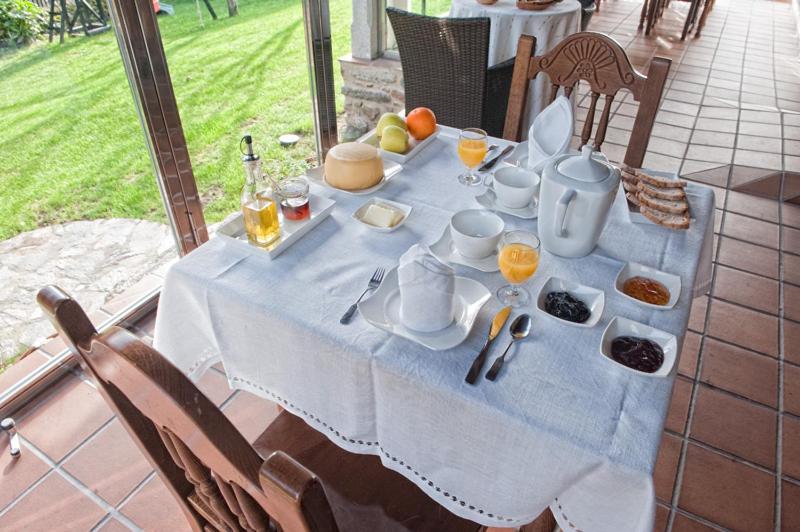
[
  {"x": 472, "y": 147},
  {"x": 518, "y": 260}
]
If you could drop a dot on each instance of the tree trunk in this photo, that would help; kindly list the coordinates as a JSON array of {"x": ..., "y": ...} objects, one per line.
[{"x": 233, "y": 7}]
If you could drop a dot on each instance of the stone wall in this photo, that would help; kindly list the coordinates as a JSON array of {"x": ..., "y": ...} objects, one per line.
[{"x": 370, "y": 88}]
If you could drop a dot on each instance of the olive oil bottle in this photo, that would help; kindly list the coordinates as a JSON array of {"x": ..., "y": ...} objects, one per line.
[{"x": 258, "y": 210}]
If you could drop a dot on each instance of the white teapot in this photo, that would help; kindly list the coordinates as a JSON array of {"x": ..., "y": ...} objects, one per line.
[{"x": 576, "y": 195}]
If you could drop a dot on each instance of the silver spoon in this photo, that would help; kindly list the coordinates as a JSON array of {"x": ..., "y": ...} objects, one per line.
[{"x": 520, "y": 328}]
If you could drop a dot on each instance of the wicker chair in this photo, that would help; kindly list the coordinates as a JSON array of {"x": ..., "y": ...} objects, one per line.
[{"x": 445, "y": 69}]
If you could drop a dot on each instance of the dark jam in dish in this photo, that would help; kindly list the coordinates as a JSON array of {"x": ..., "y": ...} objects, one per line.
[
  {"x": 647, "y": 290},
  {"x": 563, "y": 305},
  {"x": 637, "y": 353}
]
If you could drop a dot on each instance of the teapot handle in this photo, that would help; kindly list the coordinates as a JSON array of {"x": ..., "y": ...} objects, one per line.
[{"x": 561, "y": 210}]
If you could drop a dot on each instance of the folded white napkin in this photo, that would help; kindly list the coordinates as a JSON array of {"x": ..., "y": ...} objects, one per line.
[
  {"x": 426, "y": 290},
  {"x": 550, "y": 133}
]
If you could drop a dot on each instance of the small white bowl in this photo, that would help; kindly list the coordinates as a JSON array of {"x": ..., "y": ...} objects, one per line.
[
  {"x": 619, "y": 326},
  {"x": 405, "y": 209},
  {"x": 591, "y": 297},
  {"x": 633, "y": 269},
  {"x": 476, "y": 232}
]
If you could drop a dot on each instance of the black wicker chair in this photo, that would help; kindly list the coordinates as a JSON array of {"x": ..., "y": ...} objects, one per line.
[{"x": 445, "y": 69}]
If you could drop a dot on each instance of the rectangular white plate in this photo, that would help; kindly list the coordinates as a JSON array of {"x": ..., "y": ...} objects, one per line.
[
  {"x": 414, "y": 147},
  {"x": 232, "y": 228}
]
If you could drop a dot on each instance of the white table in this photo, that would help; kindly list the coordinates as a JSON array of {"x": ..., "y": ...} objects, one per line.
[
  {"x": 562, "y": 426},
  {"x": 550, "y": 26}
]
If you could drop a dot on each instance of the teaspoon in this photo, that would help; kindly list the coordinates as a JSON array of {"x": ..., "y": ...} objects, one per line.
[{"x": 520, "y": 328}]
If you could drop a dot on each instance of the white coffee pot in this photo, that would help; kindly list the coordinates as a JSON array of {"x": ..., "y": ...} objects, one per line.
[{"x": 576, "y": 195}]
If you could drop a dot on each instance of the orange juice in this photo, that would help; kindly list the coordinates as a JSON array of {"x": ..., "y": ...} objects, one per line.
[
  {"x": 472, "y": 151},
  {"x": 518, "y": 262}
]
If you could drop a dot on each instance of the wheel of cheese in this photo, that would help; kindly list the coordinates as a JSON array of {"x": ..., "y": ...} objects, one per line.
[{"x": 353, "y": 166}]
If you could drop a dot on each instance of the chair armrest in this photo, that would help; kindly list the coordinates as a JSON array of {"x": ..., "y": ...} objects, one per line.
[{"x": 495, "y": 99}]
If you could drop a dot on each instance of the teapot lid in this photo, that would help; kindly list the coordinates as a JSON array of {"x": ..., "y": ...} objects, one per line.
[{"x": 584, "y": 167}]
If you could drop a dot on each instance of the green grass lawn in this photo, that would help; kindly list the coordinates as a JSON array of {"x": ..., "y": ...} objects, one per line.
[{"x": 71, "y": 146}]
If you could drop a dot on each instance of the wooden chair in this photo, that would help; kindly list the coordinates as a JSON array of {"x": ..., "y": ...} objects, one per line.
[
  {"x": 600, "y": 61},
  {"x": 220, "y": 481}
]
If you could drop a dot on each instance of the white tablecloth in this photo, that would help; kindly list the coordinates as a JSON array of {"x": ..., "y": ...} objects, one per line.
[
  {"x": 561, "y": 425},
  {"x": 550, "y": 26}
]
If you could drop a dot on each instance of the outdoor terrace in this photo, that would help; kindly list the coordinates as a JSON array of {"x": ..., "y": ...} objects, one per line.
[{"x": 730, "y": 455}]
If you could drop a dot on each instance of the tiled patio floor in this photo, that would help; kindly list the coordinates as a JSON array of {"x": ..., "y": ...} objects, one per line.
[{"x": 730, "y": 457}]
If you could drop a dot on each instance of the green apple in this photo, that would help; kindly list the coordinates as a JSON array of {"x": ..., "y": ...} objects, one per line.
[
  {"x": 389, "y": 119},
  {"x": 394, "y": 139}
]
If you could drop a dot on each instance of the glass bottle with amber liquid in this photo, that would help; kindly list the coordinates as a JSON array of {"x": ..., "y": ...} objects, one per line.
[{"x": 258, "y": 210}]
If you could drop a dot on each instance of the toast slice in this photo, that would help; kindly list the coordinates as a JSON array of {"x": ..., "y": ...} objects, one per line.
[
  {"x": 660, "y": 182},
  {"x": 633, "y": 199},
  {"x": 670, "y": 206},
  {"x": 670, "y": 194},
  {"x": 630, "y": 186},
  {"x": 670, "y": 220}
]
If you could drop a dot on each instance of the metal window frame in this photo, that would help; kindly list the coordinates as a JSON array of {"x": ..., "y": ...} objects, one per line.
[{"x": 142, "y": 51}]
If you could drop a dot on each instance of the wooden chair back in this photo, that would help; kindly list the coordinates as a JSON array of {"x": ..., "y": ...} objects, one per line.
[
  {"x": 219, "y": 480},
  {"x": 601, "y": 62}
]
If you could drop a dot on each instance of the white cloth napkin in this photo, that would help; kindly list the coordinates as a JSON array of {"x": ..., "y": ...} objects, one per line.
[
  {"x": 550, "y": 133},
  {"x": 426, "y": 290}
]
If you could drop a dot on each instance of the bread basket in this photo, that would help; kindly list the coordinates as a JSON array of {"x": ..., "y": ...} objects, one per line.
[{"x": 534, "y": 5}]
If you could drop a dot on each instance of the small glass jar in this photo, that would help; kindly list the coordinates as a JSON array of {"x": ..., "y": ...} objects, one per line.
[{"x": 293, "y": 194}]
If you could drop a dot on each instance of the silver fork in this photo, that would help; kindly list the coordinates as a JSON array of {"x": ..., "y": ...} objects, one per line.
[{"x": 374, "y": 283}]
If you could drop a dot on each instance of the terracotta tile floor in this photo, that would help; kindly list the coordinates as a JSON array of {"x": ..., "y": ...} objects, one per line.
[{"x": 730, "y": 456}]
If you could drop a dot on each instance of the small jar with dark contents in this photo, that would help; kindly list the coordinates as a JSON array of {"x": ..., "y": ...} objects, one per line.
[{"x": 294, "y": 200}]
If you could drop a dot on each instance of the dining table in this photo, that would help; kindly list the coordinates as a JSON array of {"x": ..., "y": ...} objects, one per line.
[
  {"x": 562, "y": 427},
  {"x": 508, "y": 23}
]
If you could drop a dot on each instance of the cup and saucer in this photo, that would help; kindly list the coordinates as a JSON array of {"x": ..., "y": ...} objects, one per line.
[
  {"x": 514, "y": 191},
  {"x": 471, "y": 239}
]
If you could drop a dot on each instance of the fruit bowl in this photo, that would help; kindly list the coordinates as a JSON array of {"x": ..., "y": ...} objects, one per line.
[{"x": 414, "y": 146}]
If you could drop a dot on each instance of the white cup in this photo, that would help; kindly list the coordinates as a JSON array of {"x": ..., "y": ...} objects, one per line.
[
  {"x": 515, "y": 187},
  {"x": 476, "y": 233}
]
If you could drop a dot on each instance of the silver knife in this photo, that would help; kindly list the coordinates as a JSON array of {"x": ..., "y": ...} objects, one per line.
[{"x": 491, "y": 162}]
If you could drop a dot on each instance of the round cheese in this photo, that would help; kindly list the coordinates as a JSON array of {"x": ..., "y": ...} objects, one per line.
[{"x": 353, "y": 166}]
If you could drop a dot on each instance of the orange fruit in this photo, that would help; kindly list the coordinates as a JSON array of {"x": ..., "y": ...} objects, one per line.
[{"x": 421, "y": 123}]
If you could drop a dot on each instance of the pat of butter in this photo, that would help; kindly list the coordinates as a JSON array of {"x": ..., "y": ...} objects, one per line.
[{"x": 382, "y": 215}]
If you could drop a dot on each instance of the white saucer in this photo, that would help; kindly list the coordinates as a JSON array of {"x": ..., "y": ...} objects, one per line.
[
  {"x": 445, "y": 250},
  {"x": 390, "y": 169},
  {"x": 488, "y": 200},
  {"x": 382, "y": 310}
]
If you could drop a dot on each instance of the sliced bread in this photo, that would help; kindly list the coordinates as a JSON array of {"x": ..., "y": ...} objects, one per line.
[
  {"x": 670, "y": 220},
  {"x": 671, "y": 206},
  {"x": 672, "y": 194},
  {"x": 660, "y": 182}
]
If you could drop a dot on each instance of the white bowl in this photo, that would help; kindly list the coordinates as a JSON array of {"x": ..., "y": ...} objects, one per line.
[
  {"x": 361, "y": 211},
  {"x": 591, "y": 297},
  {"x": 633, "y": 269},
  {"x": 619, "y": 326},
  {"x": 515, "y": 187},
  {"x": 476, "y": 233}
]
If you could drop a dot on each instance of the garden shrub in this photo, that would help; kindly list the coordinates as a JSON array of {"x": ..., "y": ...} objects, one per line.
[{"x": 21, "y": 21}]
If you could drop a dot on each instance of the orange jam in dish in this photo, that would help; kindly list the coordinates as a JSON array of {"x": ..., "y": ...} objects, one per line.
[{"x": 647, "y": 290}]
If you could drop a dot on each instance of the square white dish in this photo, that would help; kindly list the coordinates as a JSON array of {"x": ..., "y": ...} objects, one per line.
[
  {"x": 414, "y": 146},
  {"x": 390, "y": 169},
  {"x": 382, "y": 310},
  {"x": 634, "y": 269},
  {"x": 619, "y": 326},
  {"x": 445, "y": 250},
  {"x": 402, "y": 207},
  {"x": 592, "y": 297},
  {"x": 232, "y": 228}
]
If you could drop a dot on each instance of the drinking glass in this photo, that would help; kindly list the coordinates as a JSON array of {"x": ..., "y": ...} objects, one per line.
[
  {"x": 472, "y": 148},
  {"x": 518, "y": 260}
]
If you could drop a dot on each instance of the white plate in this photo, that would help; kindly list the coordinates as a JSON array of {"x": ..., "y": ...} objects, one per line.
[
  {"x": 633, "y": 269},
  {"x": 232, "y": 228},
  {"x": 390, "y": 169},
  {"x": 414, "y": 146},
  {"x": 591, "y": 297},
  {"x": 445, "y": 250},
  {"x": 488, "y": 200},
  {"x": 625, "y": 327},
  {"x": 405, "y": 209},
  {"x": 382, "y": 310}
]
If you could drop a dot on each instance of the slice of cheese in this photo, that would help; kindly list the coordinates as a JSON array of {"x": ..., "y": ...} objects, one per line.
[
  {"x": 382, "y": 215},
  {"x": 353, "y": 166}
]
